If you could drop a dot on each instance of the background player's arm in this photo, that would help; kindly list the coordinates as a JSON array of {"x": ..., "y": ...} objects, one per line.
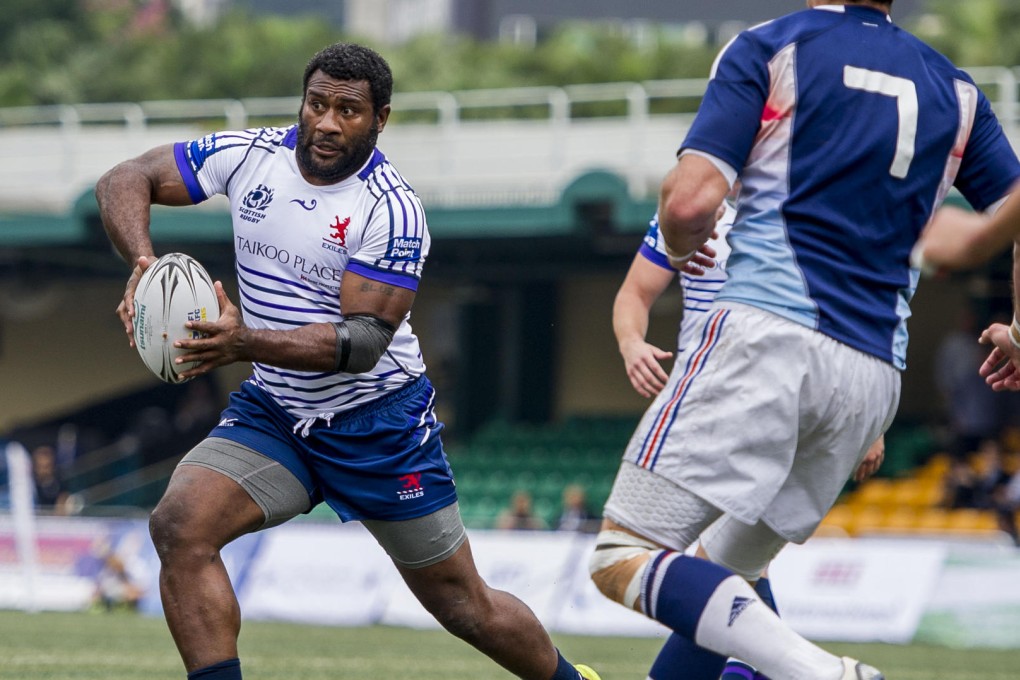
[
  {"x": 872, "y": 460},
  {"x": 313, "y": 347},
  {"x": 642, "y": 286},
  {"x": 959, "y": 239},
  {"x": 1001, "y": 370},
  {"x": 125, "y": 195},
  {"x": 689, "y": 201}
]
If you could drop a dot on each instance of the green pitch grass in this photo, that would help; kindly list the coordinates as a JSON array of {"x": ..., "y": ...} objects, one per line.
[{"x": 124, "y": 646}]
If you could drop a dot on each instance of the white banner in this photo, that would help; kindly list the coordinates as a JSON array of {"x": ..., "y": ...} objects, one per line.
[
  {"x": 533, "y": 565},
  {"x": 319, "y": 573},
  {"x": 327, "y": 573},
  {"x": 68, "y": 557},
  {"x": 856, "y": 590}
]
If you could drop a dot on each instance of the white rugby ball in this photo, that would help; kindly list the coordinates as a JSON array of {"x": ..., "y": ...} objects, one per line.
[{"x": 174, "y": 289}]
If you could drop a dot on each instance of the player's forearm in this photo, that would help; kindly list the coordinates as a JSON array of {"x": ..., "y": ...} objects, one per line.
[
  {"x": 630, "y": 320},
  {"x": 688, "y": 204},
  {"x": 353, "y": 345},
  {"x": 995, "y": 233},
  {"x": 308, "y": 348},
  {"x": 1016, "y": 281},
  {"x": 683, "y": 233}
]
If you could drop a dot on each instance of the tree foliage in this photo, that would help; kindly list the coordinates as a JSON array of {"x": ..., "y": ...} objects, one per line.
[
  {"x": 975, "y": 32},
  {"x": 54, "y": 52},
  {"x": 70, "y": 51}
]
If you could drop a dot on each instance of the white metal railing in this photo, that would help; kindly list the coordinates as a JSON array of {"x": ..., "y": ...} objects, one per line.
[
  {"x": 448, "y": 107},
  {"x": 457, "y": 148}
]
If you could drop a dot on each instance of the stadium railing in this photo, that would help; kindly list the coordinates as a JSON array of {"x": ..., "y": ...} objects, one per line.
[{"x": 461, "y": 148}]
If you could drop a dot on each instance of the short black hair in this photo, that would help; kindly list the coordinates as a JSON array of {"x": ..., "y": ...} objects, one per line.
[{"x": 347, "y": 61}]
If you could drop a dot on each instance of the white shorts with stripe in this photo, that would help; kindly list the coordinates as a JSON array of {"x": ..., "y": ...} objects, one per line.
[{"x": 765, "y": 419}]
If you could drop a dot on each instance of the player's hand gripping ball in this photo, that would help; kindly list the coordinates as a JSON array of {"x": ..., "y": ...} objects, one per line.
[{"x": 174, "y": 289}]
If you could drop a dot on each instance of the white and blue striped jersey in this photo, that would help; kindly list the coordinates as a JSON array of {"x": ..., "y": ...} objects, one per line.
[
  {"x": 847, "y": 133},
  {"x": 293, "y": 241},
  {"x": 699, "y": 291}
]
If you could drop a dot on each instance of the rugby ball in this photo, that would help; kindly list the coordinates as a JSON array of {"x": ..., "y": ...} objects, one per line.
[{"x": 174, "y": 289}]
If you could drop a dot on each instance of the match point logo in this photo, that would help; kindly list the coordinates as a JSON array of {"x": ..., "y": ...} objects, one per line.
[
  {"x": 405, "y": 249},
  {"x": 410, "y": 487}
]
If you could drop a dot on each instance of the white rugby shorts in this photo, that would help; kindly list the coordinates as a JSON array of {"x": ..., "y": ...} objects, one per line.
[{"x": 765, "y": 419}]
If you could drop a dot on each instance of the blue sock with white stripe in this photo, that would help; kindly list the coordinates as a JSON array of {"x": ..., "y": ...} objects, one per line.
[
  {"x": 224, "y": 670},
  {"x": 764, "y": 590},
  {"x": 681, "y": 659},
  {"x": 710, "y": 605}
]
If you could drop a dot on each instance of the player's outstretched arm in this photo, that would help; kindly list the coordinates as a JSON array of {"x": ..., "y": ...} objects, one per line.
[
  {"x": 125, "y": 195},
  {"x": 644, "y": 283},
  {"x": 958, "y": 239}
]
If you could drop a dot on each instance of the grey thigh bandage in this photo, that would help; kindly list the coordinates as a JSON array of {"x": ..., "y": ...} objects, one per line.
[
  {"x": 656, "y": 508},
  {"x": 423, "y": 541},
  {"x": 742, "y": 548},
  {"x": 278, "y": 492}
]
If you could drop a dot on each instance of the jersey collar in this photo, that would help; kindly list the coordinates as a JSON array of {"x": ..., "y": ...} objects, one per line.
[{"x": 853, "y": 9}]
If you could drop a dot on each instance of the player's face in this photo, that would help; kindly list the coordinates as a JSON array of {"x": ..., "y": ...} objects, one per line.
[{"x": 338, "y": 128}]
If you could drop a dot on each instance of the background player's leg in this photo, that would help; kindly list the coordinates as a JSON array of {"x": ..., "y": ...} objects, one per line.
[
  {"x": 494, "y": 622},
  {"x": 743, "y": 549},
  {"x": 681, "y": 659}
]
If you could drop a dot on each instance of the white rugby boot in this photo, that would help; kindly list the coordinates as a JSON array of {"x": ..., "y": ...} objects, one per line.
[{"x": 855, "y": 670}]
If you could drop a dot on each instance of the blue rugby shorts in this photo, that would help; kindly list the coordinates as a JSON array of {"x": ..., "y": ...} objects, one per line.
[{"x": 383, "y": 460}]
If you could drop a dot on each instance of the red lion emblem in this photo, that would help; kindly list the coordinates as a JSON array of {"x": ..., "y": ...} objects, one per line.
[
  {"x": 411, "y": 481},
  {"x": 339, "y": 233}
]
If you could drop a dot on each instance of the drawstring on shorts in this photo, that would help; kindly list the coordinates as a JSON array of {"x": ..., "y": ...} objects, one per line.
[{"x": 305, "y": 424}]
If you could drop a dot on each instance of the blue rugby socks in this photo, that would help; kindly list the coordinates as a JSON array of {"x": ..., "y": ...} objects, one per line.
[
  {"x": 681, "y": 659},
  {"x": 565, "y": 670},
  {"x": 718, "y": 610},
  {"x": 224, "y": 670},
  {"x": 764, "y": 589}
]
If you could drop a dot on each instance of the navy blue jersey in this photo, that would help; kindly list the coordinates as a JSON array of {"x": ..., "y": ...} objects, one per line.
[{"x": 847, "y": 133}]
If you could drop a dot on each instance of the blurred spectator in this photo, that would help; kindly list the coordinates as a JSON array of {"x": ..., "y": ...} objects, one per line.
[
  {"x": 1010, "y": 506},
  {"x": 50, "y": 492},
  {"x": 520, "y": 514},
  {"x": 5, "y": 493},
  {"x": 959, "y": 485},
  {"x": 990, "y": 477},
  {"x": 575, "y": 515},
  {"x": 974, "y": 412},
  {"x": 114, "y": 586}
]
